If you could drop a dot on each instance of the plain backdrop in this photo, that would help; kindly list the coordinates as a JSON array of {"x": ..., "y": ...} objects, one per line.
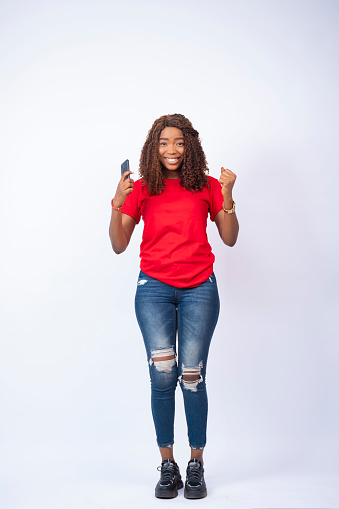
[{"x": 81, "y": 84}]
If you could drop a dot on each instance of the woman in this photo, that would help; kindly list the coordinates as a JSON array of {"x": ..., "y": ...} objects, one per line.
[{"x": 177, "y": 297}]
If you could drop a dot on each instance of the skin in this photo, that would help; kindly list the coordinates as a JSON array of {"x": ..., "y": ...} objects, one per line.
[{"x": 171, "y": 154}]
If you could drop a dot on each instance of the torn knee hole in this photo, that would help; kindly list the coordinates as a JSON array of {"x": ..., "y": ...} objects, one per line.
[
  {"x": 163, "y": 359},
  {"x": 191, "y": 377}
]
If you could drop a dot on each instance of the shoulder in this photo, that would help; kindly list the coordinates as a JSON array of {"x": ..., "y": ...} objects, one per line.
[
  {"x": 138, "y": 183},
  {"x": 213, "y": 180},
  {"x": 214, "y": 183},
  {"x": 138, "y": 186},
  {"x": 140, "y": 190}
]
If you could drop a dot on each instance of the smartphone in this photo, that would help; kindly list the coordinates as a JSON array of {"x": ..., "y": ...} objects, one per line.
[{"x": 125, "y": 167}]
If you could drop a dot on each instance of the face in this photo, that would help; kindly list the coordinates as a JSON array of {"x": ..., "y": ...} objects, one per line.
[{"x": 171, "y": 151}]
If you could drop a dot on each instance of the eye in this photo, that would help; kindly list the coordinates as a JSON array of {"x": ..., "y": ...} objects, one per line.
[
  {"x": 162, "y": 143},
  {"x": 180, "y": 143}
]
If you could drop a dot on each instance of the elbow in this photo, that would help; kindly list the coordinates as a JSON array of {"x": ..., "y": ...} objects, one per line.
[
  {"x": 231, "y": 239},
  {"x": 118, "y": 249},
  {"x": 231, "y": 244}
]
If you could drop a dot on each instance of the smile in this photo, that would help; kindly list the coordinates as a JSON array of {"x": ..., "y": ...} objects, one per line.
[{"x": 171, "y": 160}]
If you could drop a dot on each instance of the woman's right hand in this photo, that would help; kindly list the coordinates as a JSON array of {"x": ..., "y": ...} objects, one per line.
[{"x": 125, "y": 187}]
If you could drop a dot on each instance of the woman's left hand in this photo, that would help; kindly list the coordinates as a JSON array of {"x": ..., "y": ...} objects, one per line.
[{"x": 227, "y": 180}]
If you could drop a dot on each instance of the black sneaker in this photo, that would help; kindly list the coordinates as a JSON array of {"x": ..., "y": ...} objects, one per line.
[
  {"x": 170, "y": 480},
  {"x": 195, "y": 486}
]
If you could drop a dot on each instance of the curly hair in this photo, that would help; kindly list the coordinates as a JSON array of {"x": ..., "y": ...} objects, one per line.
[{"x": 194, "y": 166}]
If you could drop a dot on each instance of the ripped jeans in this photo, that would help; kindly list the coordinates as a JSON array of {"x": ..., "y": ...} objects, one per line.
[{"x": 166, "y": 314}]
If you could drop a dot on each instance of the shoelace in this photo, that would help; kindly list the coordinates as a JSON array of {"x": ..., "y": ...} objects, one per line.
[
  {"x": 194, "y": 474},
  {"x": 167, "y": 472}
]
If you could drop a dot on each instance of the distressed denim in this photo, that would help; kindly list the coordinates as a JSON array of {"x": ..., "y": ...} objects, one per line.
[{"x": 177, "y": 325}]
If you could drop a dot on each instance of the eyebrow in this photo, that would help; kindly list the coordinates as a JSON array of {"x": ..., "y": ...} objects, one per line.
[{"x": 178, "y": 138}]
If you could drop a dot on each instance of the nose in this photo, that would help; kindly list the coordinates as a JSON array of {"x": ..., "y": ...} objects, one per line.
[{"x": 171, "y": 149}]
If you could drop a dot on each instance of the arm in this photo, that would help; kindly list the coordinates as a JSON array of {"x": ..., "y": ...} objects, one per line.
[
  {"x": 120, "y": 230},
  {"x": 121, "y": 226},
  {"x": 227, "y": 224}
]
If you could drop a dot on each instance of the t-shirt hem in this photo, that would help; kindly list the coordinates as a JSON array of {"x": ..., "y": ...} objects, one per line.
[
  {"x": 173, "y": 282},
  {"x": 131, "y": 215},
  {"x": 212, "y": 218}
]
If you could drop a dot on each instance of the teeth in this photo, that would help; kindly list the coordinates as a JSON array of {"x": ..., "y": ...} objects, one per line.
[{"x": 171, "y": 160}]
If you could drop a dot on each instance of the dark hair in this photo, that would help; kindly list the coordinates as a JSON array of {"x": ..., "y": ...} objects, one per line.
[{"x": 194, "y": 166}]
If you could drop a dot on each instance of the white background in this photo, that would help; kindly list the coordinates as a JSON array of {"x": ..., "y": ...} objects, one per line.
[{"x": 81, "y": 84}]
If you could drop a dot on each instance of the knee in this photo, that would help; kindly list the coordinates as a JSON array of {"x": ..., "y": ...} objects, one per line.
[
  {"x": 163, "y": 359},
  {"x": 191, "y": 377},
  {"x": 163, "y": 371}
]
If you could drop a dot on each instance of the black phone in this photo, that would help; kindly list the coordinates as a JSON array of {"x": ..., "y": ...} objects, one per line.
[{"x": 125, "y": 167}]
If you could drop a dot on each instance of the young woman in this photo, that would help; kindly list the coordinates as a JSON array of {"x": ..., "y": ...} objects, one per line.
[{"x": 176, "y": 303}]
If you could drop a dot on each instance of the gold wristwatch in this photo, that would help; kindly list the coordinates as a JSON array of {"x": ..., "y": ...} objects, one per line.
[{"x": 231, "y": 210}]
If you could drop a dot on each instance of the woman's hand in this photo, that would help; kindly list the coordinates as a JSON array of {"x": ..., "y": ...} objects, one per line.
[
  {"x": 227, "y": 180},
  {"x": 125, "y": 187}
]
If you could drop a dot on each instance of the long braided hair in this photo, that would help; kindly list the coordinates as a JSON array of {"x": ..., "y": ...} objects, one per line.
[{"x": 194, "y": 167}]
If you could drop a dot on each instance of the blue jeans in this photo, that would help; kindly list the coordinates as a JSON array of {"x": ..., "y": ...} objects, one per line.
[{"x": 166, "y": 313}]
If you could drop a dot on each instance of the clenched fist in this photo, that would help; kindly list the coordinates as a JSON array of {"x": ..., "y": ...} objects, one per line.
[{"x": 227, "y": 180}]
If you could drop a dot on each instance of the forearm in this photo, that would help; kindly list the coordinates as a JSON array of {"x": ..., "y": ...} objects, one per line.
[
  {"x": 117, "y": 234},
  {"x": 230, "y": 228}
]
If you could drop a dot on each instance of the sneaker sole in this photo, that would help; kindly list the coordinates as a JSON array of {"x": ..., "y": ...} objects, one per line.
[
  {"x": 169, "y": 493},
  {"x": 195, "y": 494}
]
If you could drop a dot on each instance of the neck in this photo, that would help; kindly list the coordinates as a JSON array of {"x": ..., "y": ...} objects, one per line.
[{"x": 171, "y": 174}]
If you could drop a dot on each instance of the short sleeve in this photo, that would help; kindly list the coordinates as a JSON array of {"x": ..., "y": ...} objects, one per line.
[
  {"x": 131, "y": 207},
  {"x": 216, "y": 197}
]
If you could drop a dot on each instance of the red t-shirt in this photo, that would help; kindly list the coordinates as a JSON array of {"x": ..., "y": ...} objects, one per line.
[{"x": 174, "y": 247}]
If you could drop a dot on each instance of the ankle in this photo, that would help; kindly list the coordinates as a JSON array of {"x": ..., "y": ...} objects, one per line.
[
  {"x": 168, "y": 459},
  {"x": 166, "y": 453},
  {"x": 198, "y": 459}
]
